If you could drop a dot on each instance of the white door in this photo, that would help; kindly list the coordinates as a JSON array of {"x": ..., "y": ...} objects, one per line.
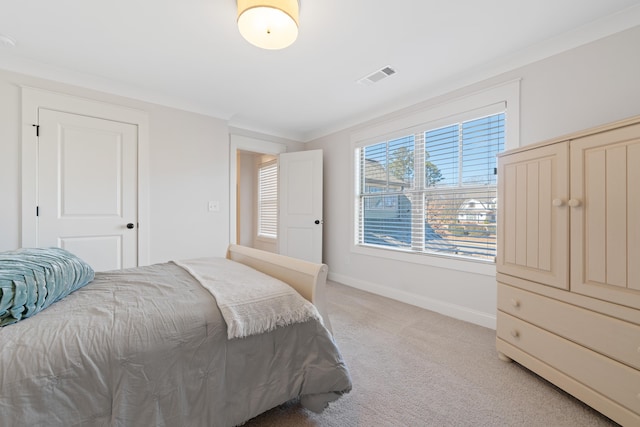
[
  {"x": 87, "y": 188},
  {"x": 300, "y": 206}
]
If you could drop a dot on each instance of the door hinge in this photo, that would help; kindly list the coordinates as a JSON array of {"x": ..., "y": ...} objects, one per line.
[
  {"x": 37, "y": 210},
  {"x": 37, "y": 129}
]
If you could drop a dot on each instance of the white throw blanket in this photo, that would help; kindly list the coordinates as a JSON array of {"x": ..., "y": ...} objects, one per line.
[{"x": 250, "y": 301}]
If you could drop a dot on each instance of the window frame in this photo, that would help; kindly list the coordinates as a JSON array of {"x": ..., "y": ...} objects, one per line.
[{"x": 500, "y": 98}]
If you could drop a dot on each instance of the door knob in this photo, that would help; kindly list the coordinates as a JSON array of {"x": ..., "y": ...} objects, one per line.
[
  {"x": 130, "y": 226},
  {"x": 317, "y": 221}
]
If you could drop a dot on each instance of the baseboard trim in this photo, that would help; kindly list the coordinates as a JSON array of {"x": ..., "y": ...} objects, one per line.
[{"x": 451, "y": 310}]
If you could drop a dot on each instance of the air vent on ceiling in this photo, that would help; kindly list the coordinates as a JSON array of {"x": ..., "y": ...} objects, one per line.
[{"x": 376, "y": 76}]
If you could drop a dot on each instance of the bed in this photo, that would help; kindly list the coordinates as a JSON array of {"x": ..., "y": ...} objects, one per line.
[{"x": 151, "y": 346}]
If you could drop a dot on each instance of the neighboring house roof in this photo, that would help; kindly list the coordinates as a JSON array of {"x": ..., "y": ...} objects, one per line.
[
  {"x": 376, "y": 174},
  {"x": 474, "y": 205}
]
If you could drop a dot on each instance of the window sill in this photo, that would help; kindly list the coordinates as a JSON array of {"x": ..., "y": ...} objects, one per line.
[
  {"x": 266, "y": 239},
  {"x": 484, "y": 267}
]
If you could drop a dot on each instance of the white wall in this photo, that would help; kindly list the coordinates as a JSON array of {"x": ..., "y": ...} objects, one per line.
[
  {"x": 246, "y": 197},
  {"x": 581, "y": 88},
  {"x": 189, "y": 168},
  {"x": 189, "y": 165},
  {"x": 9, "y": 164}
]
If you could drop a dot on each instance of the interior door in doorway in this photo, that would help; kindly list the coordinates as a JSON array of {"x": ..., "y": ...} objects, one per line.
[
  {"x": 300, "y": 222},
  {"x": 87, "y": 188}
]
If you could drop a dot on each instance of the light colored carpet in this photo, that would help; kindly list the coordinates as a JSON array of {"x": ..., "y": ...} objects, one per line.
[{"x": 413, "y": 367}]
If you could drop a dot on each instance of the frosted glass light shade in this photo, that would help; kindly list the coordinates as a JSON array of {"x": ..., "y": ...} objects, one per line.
[{"x": 269, "y": 24}]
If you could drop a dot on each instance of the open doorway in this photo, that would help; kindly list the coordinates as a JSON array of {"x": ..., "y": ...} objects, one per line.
[
  {"x": 257, "y": 200},
  {"x": 298, "y": 222},
  {"x": 246, "y": 156}
]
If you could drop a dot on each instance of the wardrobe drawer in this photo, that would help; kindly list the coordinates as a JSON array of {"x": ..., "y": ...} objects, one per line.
[
  {"x": 612, "y": 337},
  {"x": 616, "y": 381}
]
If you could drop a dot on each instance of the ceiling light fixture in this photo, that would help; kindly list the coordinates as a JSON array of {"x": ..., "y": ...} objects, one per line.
[{"x": 269, "y": 24}]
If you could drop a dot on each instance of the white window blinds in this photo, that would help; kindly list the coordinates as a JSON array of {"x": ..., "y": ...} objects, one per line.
[
  {"x": 268, "y": 200},
  {"x": 433, "y": 191}
]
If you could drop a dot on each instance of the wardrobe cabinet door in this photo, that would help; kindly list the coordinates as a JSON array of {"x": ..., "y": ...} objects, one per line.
[
  {"x": 605, "y": 216},
  {"x": 533, "y": 216}
]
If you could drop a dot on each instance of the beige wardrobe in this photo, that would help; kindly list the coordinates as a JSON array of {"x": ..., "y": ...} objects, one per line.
[{"x": 568, "y": 265}]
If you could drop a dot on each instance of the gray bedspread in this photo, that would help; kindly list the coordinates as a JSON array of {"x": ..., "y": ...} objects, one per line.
[{"x": 148, "y": 347}]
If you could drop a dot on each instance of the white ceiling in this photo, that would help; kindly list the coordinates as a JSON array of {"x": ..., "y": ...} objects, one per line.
[{"x": 189, "y": 54}]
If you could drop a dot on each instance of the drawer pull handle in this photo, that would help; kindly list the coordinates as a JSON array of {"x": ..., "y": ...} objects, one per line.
[
  {"x": 515, "y": 303},
  {"x": 515, "y": 333},
  {"x": 574, "y": 203},
  {"x": 557, "y": 202}
]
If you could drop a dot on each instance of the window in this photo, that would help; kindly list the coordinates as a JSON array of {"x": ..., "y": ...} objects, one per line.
[
  {"x": 268, "y": 200},
  {"x": 432, "y": 190}
]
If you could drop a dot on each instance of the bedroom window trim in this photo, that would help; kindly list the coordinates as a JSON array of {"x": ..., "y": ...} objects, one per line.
[{"x": 500, "y": 98}]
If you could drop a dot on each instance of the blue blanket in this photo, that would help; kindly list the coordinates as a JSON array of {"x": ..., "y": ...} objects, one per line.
[{"x": 33, "y": 279}]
